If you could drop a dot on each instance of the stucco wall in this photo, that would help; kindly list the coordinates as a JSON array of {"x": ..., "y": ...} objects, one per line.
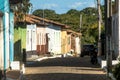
[
  {"x": 42, "y": 46},
  {"x": 54, "y": 35},
  {"x": 19, "y": 40},
  {"x": 1, "y": 44},
  {"x": 64, "y": 42}
]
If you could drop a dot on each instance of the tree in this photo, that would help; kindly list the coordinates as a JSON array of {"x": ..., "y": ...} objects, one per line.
[
  {"x": 89, "y": 27},
  {"x": 46, "y": 13},
  {"x": 23, "y": 9}
]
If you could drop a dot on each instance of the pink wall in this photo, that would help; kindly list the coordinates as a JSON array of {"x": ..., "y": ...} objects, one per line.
[{"x": 42, "y": 41}]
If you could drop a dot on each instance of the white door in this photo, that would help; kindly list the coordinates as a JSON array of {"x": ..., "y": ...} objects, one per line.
[
  {"x": 1, "y": 44},
  {"x": 31, "y": 39}
]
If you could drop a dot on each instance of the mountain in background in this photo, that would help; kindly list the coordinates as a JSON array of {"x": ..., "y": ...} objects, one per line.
[{"x": 89, "y": 28}]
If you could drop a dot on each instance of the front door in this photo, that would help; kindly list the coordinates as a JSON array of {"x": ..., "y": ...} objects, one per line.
[{"x": 31, "y": 39}]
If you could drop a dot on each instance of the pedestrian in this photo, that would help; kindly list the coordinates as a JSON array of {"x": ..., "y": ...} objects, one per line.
[
  {"x": 24, "y": 56},
  {"x": 94, "y": 56}
]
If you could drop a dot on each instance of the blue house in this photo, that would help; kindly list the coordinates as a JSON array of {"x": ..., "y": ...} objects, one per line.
[
  {"x": 5, "y": 37},
  {"x": 6, "y": 33}
]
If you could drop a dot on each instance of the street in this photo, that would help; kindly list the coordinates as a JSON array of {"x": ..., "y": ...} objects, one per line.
[{"x": 70, "y": 68}]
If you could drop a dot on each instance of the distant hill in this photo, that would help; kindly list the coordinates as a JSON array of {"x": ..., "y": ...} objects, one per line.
[{"x": 89, "y": 27}]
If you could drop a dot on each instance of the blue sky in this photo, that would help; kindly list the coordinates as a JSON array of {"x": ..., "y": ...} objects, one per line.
[{"x": 62, "y": 6}]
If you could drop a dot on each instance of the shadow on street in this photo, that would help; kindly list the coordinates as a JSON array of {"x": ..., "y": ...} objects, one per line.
[
  {"x": 70, "y": 68},
  {"x": 68, "y": 62},
  {"x": 66, "y": 76}
]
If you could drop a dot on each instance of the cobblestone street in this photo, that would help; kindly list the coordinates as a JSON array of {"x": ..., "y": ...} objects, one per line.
[{"x": 64, "y": 69}]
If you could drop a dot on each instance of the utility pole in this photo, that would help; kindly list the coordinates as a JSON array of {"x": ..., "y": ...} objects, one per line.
[
  {"x": 99, "y": 27},
  {"x": 43, "y": 15},
  {"x": 109, "y": 62},
  {"x": 80, "y": 22},
  {"x": 108, "y": 28},
  {"x": 80, "y": 30}
]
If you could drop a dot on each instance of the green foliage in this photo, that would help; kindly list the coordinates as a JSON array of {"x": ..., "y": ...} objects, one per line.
[
  {"x": 89, "y": 27},
  {"x": 22, "y": 10},
  {"x": 116, "y": 71},
  {"x": 48, "y": 14}
]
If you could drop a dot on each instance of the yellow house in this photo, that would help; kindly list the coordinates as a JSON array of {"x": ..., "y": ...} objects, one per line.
[
  {"x": 64, "y": 42},
  {"x": 70, "y": 41}
]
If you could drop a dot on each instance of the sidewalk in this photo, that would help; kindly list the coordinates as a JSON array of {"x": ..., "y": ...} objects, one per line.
[{"x": 14, "y": 75}]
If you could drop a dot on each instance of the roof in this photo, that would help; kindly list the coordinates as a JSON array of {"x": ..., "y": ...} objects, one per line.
[
  {"x": 73, "y": 32},
  {"x": 31, "y": 20},
  {"x": 38, "y": 20}
]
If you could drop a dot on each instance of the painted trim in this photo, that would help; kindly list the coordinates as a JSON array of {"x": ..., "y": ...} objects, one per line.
[
  {"x": 11, "y": 37},
  {"x": 5, "y": 28}
]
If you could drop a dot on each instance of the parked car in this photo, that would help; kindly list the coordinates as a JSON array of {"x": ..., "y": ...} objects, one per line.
[{"x": 87, "y": 49}]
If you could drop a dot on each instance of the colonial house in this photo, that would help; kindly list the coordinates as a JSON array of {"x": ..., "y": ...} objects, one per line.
[
  {"x": 37, "y": 40},
  {"x": 27, "y": 37},
  {"x": 48, "y": 35},
  {"x": 70, "y": 42},
  {"x": 42, "y": 36},
  {"x": 6, "y": 34}
]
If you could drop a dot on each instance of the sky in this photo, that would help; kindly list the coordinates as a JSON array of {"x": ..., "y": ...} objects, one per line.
[{"x": 62, "y": 6}]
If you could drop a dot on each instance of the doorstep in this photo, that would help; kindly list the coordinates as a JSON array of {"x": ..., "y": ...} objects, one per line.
[{"x": 14, "y": 75}]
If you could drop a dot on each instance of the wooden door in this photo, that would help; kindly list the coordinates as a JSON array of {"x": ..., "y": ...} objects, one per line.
[{"x": 31, "y": 39}]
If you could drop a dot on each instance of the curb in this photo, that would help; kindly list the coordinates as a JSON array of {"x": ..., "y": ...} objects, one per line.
[{"x": 43, "y": 58}]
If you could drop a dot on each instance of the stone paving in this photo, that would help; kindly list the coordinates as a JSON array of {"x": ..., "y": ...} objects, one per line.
[{"x": 70, "y": 68}]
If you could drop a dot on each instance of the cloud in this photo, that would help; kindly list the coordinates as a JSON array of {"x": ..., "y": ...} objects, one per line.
[
  {"x": 92, "y": 5},
  {"x": 49, "y": 6},
  {"x": 76, "y": 5}
]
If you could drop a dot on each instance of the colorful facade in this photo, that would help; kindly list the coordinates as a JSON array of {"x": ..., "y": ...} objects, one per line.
[
  {"x": 6, "y": 32},
  {"x": 19, "y": 41},
  {"x": 42, "y": 40},
  {"x": 54, "y": 35},
  {"x": 49, "y": 37},
  {"x": 31, "y": 39},
  {"x": 74, "y": 41},
  {"x": 64, "y": 42},
  {"x": 70, "y": 41}
]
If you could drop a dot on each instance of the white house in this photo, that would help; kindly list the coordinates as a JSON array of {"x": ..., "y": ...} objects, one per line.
[{"x": 54, "y": 38}]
